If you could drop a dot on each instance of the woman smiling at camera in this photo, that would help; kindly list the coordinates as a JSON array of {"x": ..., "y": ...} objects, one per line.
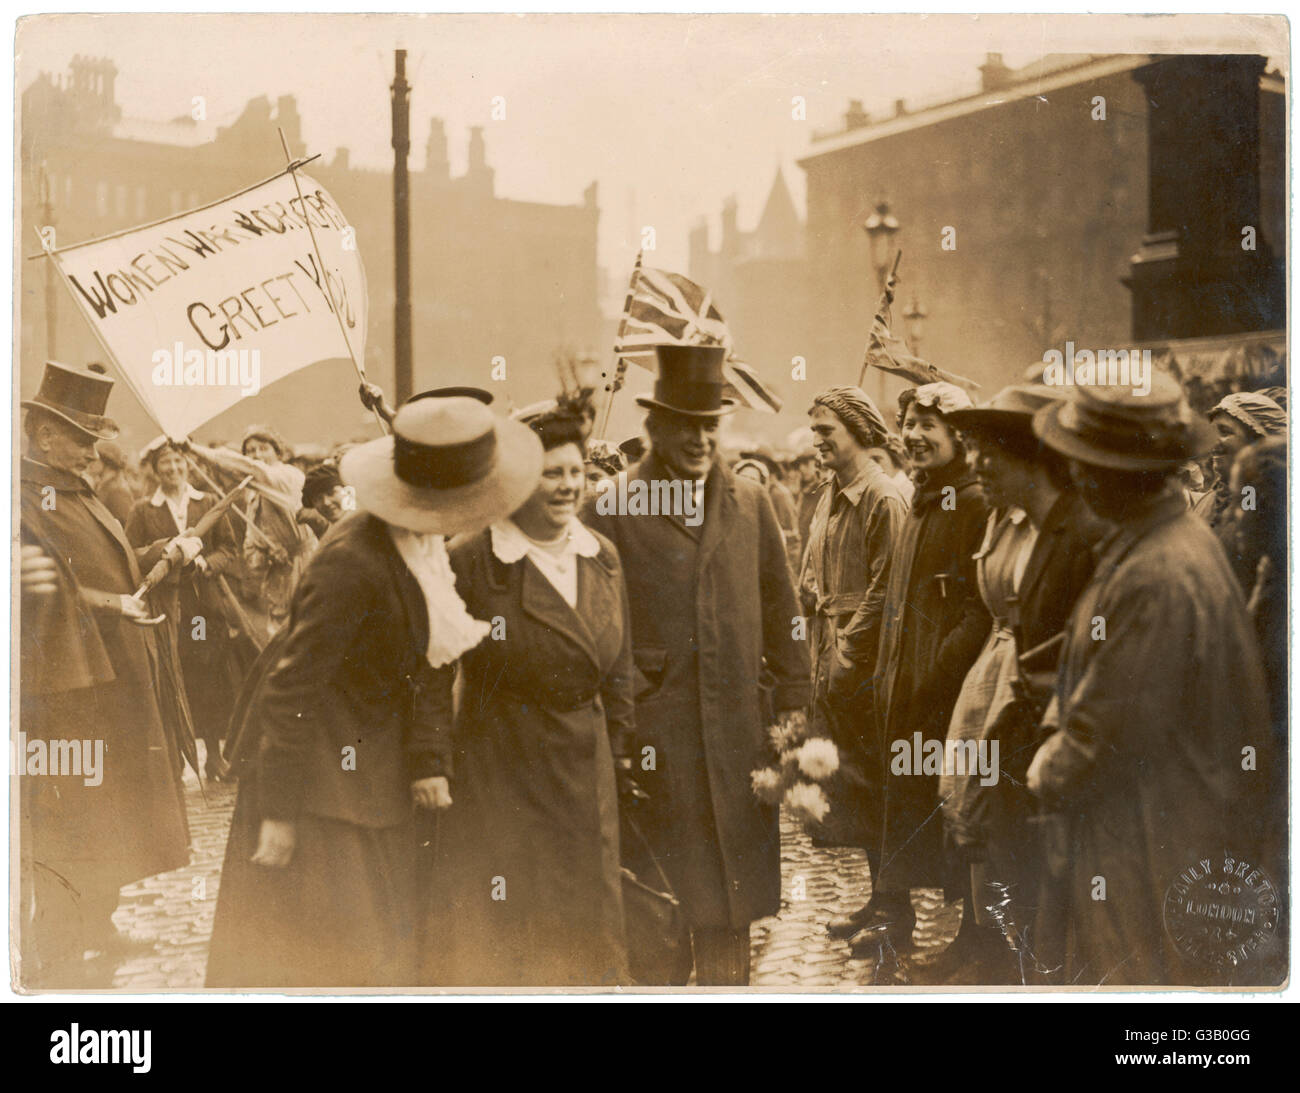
[{"x": 526, "y": 891}]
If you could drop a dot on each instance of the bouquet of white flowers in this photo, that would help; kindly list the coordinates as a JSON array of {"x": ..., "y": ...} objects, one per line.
[{"x": 802, "y": 762}]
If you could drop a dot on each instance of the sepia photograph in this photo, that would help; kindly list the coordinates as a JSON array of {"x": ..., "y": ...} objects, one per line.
[{"x": 678, "y": 504}]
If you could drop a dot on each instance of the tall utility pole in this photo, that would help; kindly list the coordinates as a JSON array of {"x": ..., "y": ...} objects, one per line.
[{"x": 401, "y": 98}]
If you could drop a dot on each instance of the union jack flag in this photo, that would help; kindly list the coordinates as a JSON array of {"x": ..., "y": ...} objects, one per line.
[{"x": 668, "y": 309}]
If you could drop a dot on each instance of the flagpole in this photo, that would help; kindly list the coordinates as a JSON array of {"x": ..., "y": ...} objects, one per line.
[
  {"x": 320, "y": 264},
  {"x": 620, "y": 369},
  {"x": 886, "y": 301}
]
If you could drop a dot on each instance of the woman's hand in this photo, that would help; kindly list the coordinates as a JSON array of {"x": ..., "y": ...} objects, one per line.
[
  {"x": 431, "y": 793},
  {"x": 275, "y": 843}
]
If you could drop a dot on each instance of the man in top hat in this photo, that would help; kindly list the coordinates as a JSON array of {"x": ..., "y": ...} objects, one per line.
[
  {"x": 101, "y": 802},
  {"x": 712, "y": 604},
  {"x": 1158, "y": 725}
]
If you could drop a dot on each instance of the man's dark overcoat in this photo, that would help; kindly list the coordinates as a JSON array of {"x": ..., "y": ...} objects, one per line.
[{"x": 710, "y": 606}]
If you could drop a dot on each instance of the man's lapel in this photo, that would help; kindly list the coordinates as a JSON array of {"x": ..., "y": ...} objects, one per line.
[{"x": 719, "y": 505}]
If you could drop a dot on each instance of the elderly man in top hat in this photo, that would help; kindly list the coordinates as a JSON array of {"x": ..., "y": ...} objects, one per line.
[
  {"x": 845, "y": 572},
  {"x": 101, "y": 802},
  {"x": 1158, "y": 722},
  {"x": 712, "y": 604}
]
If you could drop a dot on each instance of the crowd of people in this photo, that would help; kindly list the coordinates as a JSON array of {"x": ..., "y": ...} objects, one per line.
[{"x": 489, "y": 730}]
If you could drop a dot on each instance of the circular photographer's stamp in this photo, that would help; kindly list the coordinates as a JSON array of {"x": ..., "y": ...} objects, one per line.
[{"x": 1223, "y": 911}]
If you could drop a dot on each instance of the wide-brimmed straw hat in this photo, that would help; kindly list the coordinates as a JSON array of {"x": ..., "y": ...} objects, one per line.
[
  {"x": 78, "y": 397},
  {"x": 450, "y": 466},
  {"x": 1010, "y": 412},
  {"x": 1111, "y": 426}
]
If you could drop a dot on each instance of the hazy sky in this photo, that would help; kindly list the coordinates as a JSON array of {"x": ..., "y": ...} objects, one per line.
[{"x": 669, "y": 113}]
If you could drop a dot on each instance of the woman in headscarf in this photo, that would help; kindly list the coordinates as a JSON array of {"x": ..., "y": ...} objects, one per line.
[
  {"x": 933, "y": 625},
  {"x": 1240, "y": 419},
  {"x": 319, "y": 885},
  {"x": 526, "y": 886}
]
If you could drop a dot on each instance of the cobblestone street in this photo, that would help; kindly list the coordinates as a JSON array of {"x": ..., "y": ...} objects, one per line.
[{"x": 791, "y": 950}]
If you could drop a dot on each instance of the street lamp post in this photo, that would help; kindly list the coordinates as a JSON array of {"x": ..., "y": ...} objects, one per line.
[
  {"x": 881, "y": 228},
  {"x": 915, "y": 317}
]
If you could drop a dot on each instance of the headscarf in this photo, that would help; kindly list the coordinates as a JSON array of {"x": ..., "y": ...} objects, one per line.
[
  {"x": 853, "y": 406},
  {"x": 944, "y": 397},
  {"x": 270, "y": 436},
  {"x": 1258, "y": 413},
  {"x": 755, "y": 464}
]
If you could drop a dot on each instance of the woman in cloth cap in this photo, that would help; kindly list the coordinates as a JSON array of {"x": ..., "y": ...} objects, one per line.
[
  {"x": 933, "y": 625},
  {"x": 319, "y": 886},
  {"x": 1031, "y": 567},
  {"x": 526, "y": 890},
  {"x": 197, "y": 622},
  {"x": 276, "y": 545},
  {"x": 1239, "y": 419}
]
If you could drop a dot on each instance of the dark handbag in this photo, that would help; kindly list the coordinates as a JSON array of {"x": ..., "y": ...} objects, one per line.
[{"x": 658, "y": 940}]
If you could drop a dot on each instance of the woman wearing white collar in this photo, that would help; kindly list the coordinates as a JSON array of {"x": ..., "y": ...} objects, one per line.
[
  {"x": 198, "y": 620},
  {"x": 527, "y": 885}
]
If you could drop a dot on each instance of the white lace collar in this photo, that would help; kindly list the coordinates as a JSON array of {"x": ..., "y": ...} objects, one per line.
[
  {"x": 191, "y": 494},
  {"x": 509, "y": 543}
]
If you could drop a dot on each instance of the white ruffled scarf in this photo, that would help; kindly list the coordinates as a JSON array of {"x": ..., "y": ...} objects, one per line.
[{"x": 452, "y": 629}]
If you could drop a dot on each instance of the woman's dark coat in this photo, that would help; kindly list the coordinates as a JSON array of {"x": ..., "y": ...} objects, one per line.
[
  {"x": 349, "y": 717},
  {"x": 934, "y": 624},
  {"x": 526, "y": 888}
]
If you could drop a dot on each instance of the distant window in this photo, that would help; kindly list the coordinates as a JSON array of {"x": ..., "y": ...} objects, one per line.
[
  {"x": 101, "y": 198},
  {"x": 67, "y": 190},
  {"x": 139, "y": 202},
  {"x": 120, "y": 203},
  {"x": 193, "y": 200},
  {"x": 176, "y": 201}
]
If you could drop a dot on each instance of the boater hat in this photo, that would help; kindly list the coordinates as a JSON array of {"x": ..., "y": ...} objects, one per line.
[
  {"x": 450, "y": 466},
  {"x": 1009, "y": 412},
  {"x": 690, "y": 381},
  {"x": 1110, "y": 426},
  {"x": 79, "y": 398}
]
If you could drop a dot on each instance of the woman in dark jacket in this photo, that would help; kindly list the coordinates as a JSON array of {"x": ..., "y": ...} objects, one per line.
[
  {"x": 197, "y": 623},
  {"x": 933, "y": 625},
  {"x": 1029, "y": 580},
  {"x": 319, "y": 885},
  {"x": 526, "y": 884}
]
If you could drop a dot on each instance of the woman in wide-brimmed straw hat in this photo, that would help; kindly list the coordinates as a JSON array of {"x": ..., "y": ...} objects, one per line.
[
  {"x": 1030, "y": 568},
  {"x": 543, "y": 730},
  {"x": 319, "y": 884}
]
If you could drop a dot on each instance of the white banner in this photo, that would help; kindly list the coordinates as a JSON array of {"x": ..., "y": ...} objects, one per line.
[{"x": 210, "y": 306}]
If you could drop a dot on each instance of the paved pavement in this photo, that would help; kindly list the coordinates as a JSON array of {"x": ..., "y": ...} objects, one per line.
[{"x": 790, "y": 950}]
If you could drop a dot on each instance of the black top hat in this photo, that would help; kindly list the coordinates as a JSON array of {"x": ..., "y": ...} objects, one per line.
[
  {"x": 690, "y": 381},
  {"x": 79, "y": 398}
]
